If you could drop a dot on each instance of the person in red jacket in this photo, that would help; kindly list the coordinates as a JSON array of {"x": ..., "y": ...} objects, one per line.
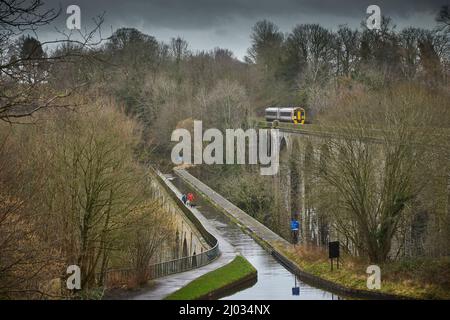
[{"x": 190, "y": 199}]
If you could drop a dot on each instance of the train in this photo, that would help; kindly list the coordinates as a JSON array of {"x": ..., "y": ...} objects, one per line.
[{"x": 295, "y": 115}]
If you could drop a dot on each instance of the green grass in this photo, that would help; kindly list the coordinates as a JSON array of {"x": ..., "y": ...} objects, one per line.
[
  {"x": 236, "y": 270},
  {"x": 418, "y": 278}
]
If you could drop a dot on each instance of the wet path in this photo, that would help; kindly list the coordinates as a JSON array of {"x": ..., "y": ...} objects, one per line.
[
  {"x": 274, "y": 281},
  {"x": 162, "y": 287}
]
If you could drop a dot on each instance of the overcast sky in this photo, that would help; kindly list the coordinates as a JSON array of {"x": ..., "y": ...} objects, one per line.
[{"x": 206, "y": 24}]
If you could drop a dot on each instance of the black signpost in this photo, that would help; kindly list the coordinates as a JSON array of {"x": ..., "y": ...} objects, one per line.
[
  {"x": 295, "y": 289},
  {"x": 333, "y": 252}
]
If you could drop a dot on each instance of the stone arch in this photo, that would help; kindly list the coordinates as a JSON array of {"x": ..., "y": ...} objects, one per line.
[
  {"x": 323, "y": 227},
  {"x": 283, "y": 148},
  {"x": 185, "y": 252},
  {"x": 177, "y": 244},
  {"x": 309, "y": 156},
  {"x": 194, "y": 259},
  {"x": 307, "y": 217},
  {"x": 283, "y": 142},
  {"x": 296, "y": 176},
  {"x": 282, "y": 190},
  {"x": 324, "y": 155}
]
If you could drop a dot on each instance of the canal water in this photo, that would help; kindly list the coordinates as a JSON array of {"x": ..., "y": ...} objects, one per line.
[{"x": 274, "y": 282}]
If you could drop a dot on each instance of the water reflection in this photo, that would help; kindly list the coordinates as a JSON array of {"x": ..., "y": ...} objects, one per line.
[{"x": 275, "y": 282}]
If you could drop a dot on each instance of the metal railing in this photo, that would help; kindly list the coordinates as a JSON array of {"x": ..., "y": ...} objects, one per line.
[
  {"x": 183, "y": 264},
  {"x": 116, "y": 277}
]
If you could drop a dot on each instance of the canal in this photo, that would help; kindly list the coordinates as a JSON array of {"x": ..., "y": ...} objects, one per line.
[{"x": 274, "y": 282}]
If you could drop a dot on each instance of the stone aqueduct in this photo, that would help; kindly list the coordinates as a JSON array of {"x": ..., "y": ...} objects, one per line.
[{"x": 188, "y": 240}]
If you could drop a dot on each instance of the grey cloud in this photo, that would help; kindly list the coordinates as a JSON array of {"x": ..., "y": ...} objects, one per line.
[
  {"x": 206, "y": 24},
  {"x": 193, "y": 14}
]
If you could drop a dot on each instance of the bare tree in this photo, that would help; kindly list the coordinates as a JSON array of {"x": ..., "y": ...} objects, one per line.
[
  {"x": 150, "y": 235},
  {"x": 17, "y": 16},
  {"x": 373, "y": 169},
  {"x": 24, "y": 70},
  {"x": 443, "y": 18},
  {"x": 347, "y": 47},
  {"x": 179, "y": 49},
  {"x": 314, "y": 45},
  {"x": 267, "y": 40}
]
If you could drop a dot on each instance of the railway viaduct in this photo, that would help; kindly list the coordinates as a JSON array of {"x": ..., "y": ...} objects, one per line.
[{"x": 300, "y": 148}]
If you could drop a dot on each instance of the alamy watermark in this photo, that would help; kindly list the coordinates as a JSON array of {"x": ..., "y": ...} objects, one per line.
[
  {"x": 74, "y": 280},
  {"x": 232, "y": 149},
  {"x": 373, "y": 21},
  {"x": 73, "y": 22},
  {"x": 374, "y": 277}
]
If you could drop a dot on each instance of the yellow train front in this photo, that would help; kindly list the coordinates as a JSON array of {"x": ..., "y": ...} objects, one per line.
[{"x": 291, "y": 114}]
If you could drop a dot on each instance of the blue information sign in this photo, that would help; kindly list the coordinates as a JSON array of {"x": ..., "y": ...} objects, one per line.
[
  {"x": 296, "y": 291},
  {"x": 294, "y": 225}
]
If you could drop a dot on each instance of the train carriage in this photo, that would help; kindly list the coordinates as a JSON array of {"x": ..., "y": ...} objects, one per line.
[{"x": 290, "y": 114}]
